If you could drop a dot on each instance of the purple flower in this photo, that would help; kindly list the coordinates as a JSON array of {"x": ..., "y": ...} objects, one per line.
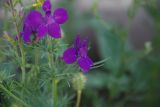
[
  {"x": 35, "y": 23},
  {"x": 32, "y": 25},
  {"x": 52, "y": 22},
  {"x": 78, "y": 53}
]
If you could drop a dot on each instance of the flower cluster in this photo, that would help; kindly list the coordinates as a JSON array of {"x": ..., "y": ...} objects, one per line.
[
  {"x": 36, "y": 23},
  {"x": 39, "y": 25}
]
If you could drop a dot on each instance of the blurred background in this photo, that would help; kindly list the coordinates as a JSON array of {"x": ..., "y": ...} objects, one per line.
[{"x": 127, "y": 32}]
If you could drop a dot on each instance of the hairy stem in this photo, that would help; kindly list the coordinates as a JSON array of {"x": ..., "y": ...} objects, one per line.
[
  {"x": 79, "y": 92},
  {"x": 13, "y": 96}
]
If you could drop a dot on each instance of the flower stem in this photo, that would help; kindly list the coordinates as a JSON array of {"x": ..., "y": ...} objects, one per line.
[
  {"x": 79, "y": 92},
  {"x": 12, "y": 95},
  {"x": 23, "y": 64},
  {"x": 53, "y": 69},
  {"x": 19, "y": 42},
  {"x": 54, "y": 91}
]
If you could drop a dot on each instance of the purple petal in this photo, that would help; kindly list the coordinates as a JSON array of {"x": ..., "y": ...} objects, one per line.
[
  {"x": 27, "y": 34},
  {"x": 84, "y": 43},
  {"x": 83, "y": 51},
  {"x": 49, "y": 20},
  {"x": 77, "y": 42},
  {"x": 54, "y": 30},
  {"x": 42, "y": 30},
  {"x": 69, "y": 55},
  {"x": 34, "y": 19},
  {"x": 60, "y": 15},
  {"x": 47, "y": 7},
  {"x": 85, "y": 63}
]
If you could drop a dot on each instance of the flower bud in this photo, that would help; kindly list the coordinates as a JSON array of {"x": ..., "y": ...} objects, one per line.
[{"x": 79, "y": 81}]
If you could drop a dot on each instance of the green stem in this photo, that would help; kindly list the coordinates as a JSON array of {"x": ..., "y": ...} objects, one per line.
[
  {"x": 53, "y": 69},
  {"x": 13, "y": 96},
  {"x": 50, "y": 54},
  {"x": 23, "y": 64},
  {"x": 50, "y": 60},
  {"x": 19, "y": 42},
  {"x": 54, "y": 91},
  {"x": 23, "y": 74},
  {"x": 37, "y": 61},
  {"x": 79, "y": 92}
]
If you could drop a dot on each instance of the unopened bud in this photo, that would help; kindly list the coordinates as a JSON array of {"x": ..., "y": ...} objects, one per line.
[{"x": 79, "y": 81}]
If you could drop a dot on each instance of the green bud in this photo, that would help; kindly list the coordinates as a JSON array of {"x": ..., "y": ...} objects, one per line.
[{"x": 79, "y": 81}]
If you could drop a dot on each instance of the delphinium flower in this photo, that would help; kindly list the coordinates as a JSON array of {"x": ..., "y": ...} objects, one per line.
[
  {"x": 52, "y": 22},
  {"x": 78, "y": 53},
  {"x": 35, "y": 23},
  {"x": 32, "y": 25}
]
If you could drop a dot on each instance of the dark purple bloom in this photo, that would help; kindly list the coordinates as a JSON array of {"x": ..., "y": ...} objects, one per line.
[
  {"x": 52, "y": 22},
  {"x": 35, "y": 23},
  {"x": 78, "y": 53}
]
